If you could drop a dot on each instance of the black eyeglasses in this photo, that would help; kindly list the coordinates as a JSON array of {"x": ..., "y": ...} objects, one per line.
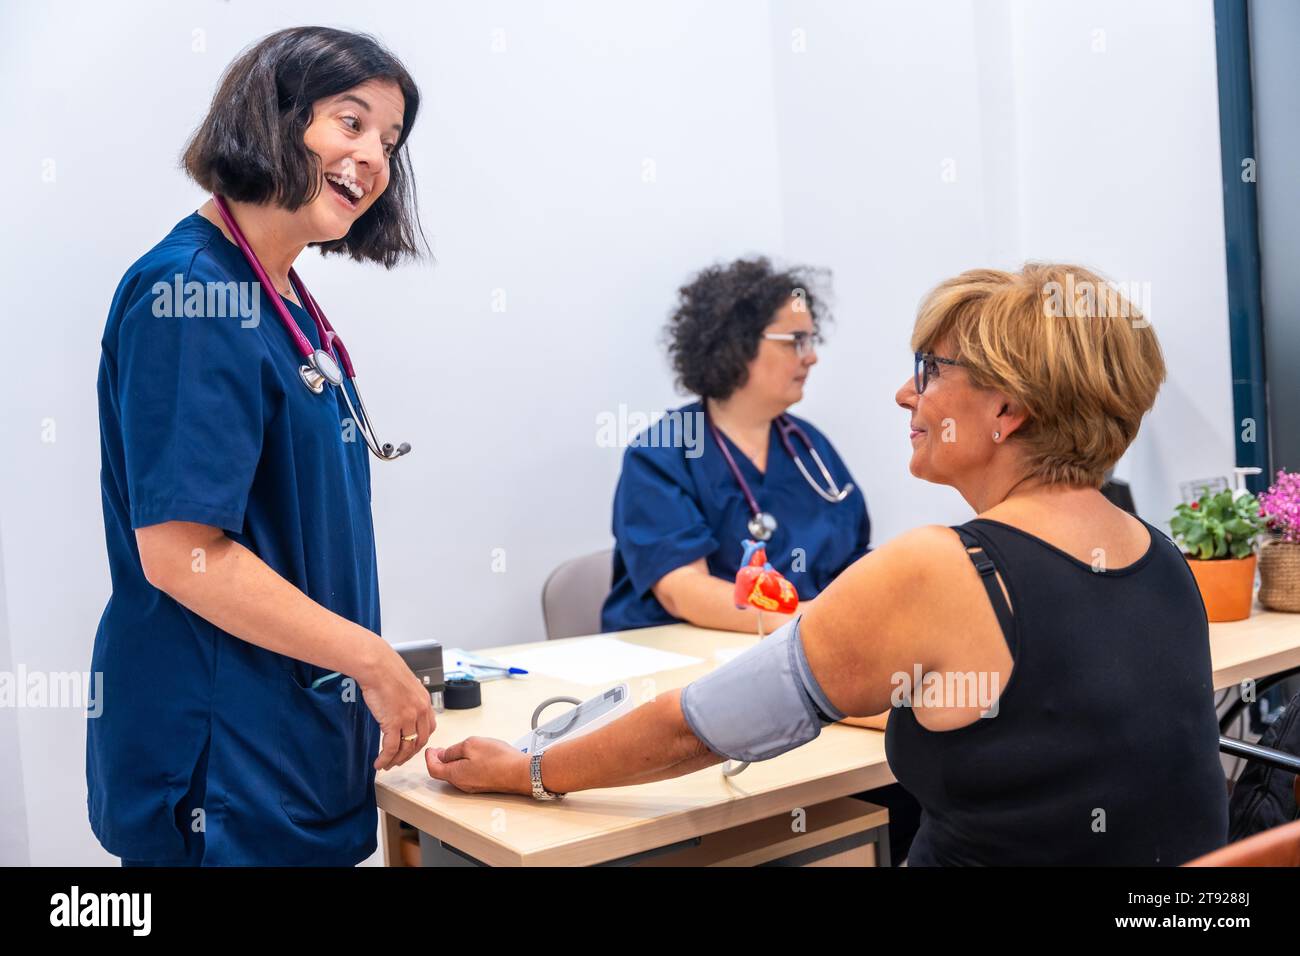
[{"x": 927, "y": 367}]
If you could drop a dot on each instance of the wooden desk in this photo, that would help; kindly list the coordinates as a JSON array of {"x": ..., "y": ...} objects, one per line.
[
  {"x": 597, "y": 826},
  {"x": 1267, "y": 642}
]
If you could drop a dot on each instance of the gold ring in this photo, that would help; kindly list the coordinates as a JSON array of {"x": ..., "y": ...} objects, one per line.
[{"x": 410, "y": 736}]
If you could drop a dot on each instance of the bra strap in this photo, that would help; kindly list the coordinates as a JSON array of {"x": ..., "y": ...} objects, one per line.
[{"x": 988, "y": 574}]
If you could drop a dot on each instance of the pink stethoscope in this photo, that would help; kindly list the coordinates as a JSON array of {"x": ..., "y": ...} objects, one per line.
[
  {"x": 762, "y": 525},
  {"x": 320, "y": 368}
]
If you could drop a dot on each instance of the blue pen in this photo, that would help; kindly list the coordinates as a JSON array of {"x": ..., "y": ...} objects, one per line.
[{"x": 512, "y": 671}]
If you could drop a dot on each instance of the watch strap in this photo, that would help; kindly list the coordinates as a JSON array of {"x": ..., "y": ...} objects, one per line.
[{"x": 535, "y": 773}]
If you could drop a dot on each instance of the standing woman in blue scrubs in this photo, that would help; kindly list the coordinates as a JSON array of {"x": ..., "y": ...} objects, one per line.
[
  {"x": 743, "y": 338},
  {"x": 249, "y": 699}
]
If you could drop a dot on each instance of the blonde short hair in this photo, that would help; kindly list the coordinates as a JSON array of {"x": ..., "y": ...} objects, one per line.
[{"x": 1065, "y": 344}]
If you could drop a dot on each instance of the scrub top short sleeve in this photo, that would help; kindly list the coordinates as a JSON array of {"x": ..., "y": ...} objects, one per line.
[
  {"x": 191, "y": 408},
  {"x": 658, "y": 524}
]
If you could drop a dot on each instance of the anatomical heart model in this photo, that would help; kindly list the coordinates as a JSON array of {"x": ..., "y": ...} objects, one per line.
[{"x": 760, "y": 585}]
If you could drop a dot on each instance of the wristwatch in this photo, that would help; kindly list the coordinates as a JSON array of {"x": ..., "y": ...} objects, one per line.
[{"x": 535, "y": 772}]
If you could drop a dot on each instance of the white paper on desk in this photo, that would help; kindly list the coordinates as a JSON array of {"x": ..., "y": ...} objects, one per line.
[{"x": 599, "y": 660}]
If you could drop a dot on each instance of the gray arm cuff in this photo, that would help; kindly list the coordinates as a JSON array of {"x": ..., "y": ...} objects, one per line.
[{"x": 761, "y": 704}]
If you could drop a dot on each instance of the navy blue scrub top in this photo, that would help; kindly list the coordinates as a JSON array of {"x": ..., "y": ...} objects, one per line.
[
  {"x": 203, "y": 419},
  {"x": 670, "y": 510}
]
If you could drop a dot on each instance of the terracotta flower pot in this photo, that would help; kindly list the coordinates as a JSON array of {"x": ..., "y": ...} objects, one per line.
[{"x": 1227, "y": 586}]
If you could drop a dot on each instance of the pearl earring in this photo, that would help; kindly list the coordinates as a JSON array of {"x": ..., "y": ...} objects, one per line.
[{"x": 997, "y": 435}]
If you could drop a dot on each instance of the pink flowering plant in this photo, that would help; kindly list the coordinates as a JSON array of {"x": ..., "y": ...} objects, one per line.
[{"x": 1281, "y": 506}]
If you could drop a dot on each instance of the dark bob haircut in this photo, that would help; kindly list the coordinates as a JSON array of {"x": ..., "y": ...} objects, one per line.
[
  {"x": 250, "y": 147},
  {"x": 714, "y": 332}
]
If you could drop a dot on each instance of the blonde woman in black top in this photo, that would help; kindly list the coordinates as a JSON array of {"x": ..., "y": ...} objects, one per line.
[{"x": 1064, "y": 709}]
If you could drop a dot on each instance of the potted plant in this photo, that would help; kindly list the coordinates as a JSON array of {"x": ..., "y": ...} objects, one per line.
[
  {"x": 1279, "y": 558},
  {"x": 1217, "y": 534}
]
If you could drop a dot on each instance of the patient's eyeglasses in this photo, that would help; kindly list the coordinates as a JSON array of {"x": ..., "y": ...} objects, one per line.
[
  {"x": 804, "y": 342},
  {"x": 926, "y": 367}
]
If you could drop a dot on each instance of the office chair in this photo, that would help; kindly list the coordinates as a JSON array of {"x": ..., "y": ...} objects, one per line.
[
  {"x": 1278, "y": 845},
  {"x": 1242, "y": 717},
  {"x": 573, "y": 594}
]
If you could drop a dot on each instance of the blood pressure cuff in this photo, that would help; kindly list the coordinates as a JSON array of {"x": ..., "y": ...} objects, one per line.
[{"x": 761, "y": 704}]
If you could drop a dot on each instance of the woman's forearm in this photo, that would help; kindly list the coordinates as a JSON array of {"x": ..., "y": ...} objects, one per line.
[
  {"x": 654, "y": 742},
  {"x": 694, "y": 595},
  {"x": 225, "y": 583}
]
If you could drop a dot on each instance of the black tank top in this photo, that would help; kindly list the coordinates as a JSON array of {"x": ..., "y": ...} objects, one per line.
[{"x": 1104, "y": 745}]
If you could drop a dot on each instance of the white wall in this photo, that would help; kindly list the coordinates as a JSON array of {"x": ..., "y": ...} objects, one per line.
[
  {"x": 869, "y": 114},
  {"x": 530, "y": 167},
  {"x": 1119, "y": 169},
  {"x": 1053, "y": 151},
  {"x": 13, "y": 798}
]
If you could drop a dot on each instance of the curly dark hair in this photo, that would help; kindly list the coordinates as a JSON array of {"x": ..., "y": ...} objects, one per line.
[
  {"x": 250, "y": 146},
  {"x": 714, "y": 332}
]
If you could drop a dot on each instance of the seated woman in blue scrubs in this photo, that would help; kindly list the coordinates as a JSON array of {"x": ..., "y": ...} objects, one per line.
[
  {"x": 743, "y": 338},
  {"x": 246, "y": 687}
]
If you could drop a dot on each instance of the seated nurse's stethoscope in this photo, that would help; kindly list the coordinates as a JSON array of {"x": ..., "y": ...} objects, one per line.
[
  {"x": 320, "y": 369},
  {"x": 762, "y": 525}
]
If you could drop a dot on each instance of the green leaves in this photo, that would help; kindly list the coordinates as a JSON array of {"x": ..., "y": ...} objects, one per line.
[{"x": 1218, "y": 526}]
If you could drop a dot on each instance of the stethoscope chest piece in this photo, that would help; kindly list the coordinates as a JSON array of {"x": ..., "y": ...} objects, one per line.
[
  {"x": 313, "y": 379},
  {"x": 762, "y": 526},
  {"x": 322, "y": 370}
]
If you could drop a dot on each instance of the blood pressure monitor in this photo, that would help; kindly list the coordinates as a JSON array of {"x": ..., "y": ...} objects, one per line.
[{"x": 582, "y": 719}]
